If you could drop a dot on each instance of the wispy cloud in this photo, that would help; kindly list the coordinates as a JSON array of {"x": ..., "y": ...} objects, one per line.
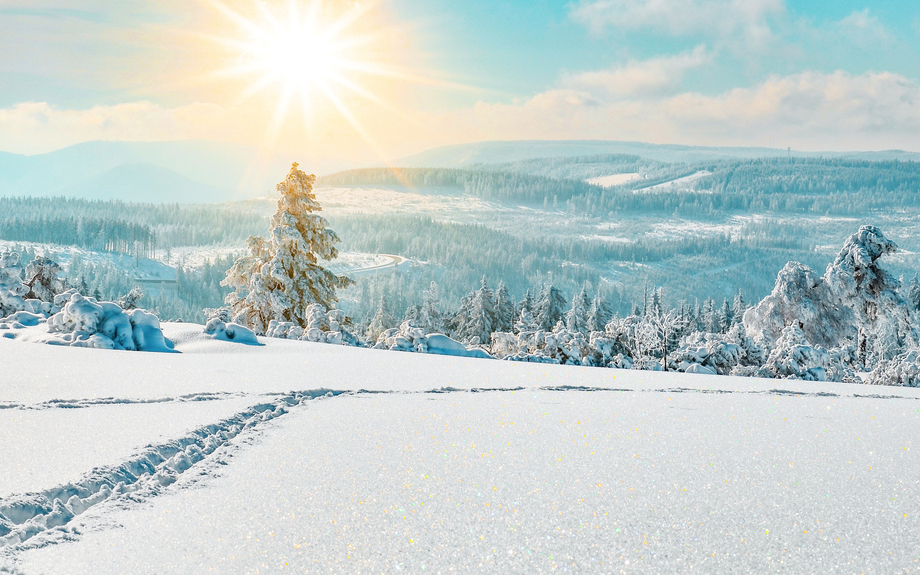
[
  {"x": 742, "y": 22},
  {"x": 654, "y": 76},
  {"x": 860, "y": 26},
  {"x": 808, "y": 110}
]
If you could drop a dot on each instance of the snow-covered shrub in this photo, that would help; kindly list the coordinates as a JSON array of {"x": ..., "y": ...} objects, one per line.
[
  {"x": 903, "y": 370},
  {"x": 85, "y": 322},
  {"x": 228, "y": 331},
  {"x": 794, "y": 357},
  {"x": 409, "y": 337},
  {"x": 12, "y": 289},
  {"x": 130, "y": 300},
  {"x": 42, "y": 276}
]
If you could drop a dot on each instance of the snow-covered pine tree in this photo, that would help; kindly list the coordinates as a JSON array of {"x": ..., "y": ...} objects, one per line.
[
  {"x": 738, "y": 308},
  {"x": 457, "y": 324},
  {"x": 430, "y": 318},
  {"x": 504, "y": 309},
  {"x": 526, "y": 303},
  {"x": 42, "y": 275},
  {"x": 525, "y": 322},
  {"x": 655, "y": 307},
  {"x": 709, "y": 321},
  {"x": 913, "y": 293},
  {"x": 280, "y": 277},
  {"x": 12, "y": 290},
  {"x": 481, "y": 322},
  {"x": 726, "y": 316},
  {"x": 576, "y": 319},
  {"x": 549, "y": 308},
  {"x": 598, "y": 313},
  {"x": 382, "y": 321}
]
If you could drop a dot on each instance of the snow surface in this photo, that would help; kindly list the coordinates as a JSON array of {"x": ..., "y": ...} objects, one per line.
[
  {"x": 678, "y": 183},
  {"x": 613, "y": 180},
  {"x": 323, "y": 458}
]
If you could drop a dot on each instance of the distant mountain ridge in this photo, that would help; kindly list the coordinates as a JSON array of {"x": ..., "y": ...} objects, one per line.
[
  {"x": 496, "y": 152},
  {"x": 195, "y": 171}
]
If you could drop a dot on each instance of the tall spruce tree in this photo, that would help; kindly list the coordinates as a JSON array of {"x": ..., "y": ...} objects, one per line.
[
  {"x": 598, "y": 313},
  {"x": 382, "y": 320},
  {"x": 481, "y": 322},
  {"x": 280, "y": 277},
  {"x": 430, "y": 318},
  {"x": 549, "y": 308},
  {"x": 504, "y": 309},
  {"x": 576, "y": 319}
]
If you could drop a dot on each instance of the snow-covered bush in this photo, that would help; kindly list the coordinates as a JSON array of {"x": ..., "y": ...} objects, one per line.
[
  {"x": 321, "y": 327},
  {"x": 903, "y": 370},
  {"x": 12, "y": 289},
  {"x": 794, "y": 358},
  {"x": 130, "y": 300},
  {"x": 85, "y": 322},
  {"x": 228, "y": 331},
  {"x": 42, "y": 276},
  {"x": 409, "y": 337}
]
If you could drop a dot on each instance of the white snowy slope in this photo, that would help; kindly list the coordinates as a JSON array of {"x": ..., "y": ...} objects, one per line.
[{"x": 340, "y": 459}]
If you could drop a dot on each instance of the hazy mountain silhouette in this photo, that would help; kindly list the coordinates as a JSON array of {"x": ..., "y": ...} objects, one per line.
[{"x": 187, "y": 172}]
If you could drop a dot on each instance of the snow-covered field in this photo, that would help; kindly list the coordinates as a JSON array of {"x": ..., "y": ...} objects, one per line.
[
  {"x": 613, "y": 180},
  {"x": 296, "y": 456},
  {"x": 679, "y": 183}
]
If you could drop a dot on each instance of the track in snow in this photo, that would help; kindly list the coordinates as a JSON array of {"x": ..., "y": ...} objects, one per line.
[{"x": 46, "y": 515}]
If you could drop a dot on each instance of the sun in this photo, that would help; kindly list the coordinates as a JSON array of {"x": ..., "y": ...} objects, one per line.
[{"x": 302, "y": 54}]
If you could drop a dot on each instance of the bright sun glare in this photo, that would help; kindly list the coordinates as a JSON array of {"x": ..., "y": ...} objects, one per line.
[{"x": 305, "y": 56}]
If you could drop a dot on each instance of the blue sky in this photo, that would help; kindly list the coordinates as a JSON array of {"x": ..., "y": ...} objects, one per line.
[{"x": 812, "y": 75}]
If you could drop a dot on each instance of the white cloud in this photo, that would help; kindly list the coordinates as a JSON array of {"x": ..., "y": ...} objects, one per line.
[
  {"x": 729, "y": 21},
  {"x": 861, "y": 27},
  {"x": 647, "y": 77},
  {"x": 812, "y": 111}
]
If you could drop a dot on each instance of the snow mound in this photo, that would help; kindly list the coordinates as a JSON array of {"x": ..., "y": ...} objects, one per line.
[
  {"x": 85, "y": 322},
  {"x": 409, "y": 337},
  {"x": 231, "y": 332}
]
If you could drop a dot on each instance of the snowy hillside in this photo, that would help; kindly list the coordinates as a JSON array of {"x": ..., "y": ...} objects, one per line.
[{"x": 300, "y": 456}]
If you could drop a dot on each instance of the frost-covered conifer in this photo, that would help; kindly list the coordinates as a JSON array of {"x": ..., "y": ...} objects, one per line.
[
  {"x": 280, "y": 277},
  {"x": 12, "y": 289},
  {"x": 738, "y": 308},
  {"x": 430, "y": 315},
  {"x": 525, "y": 322},
  {"x": 481, "y": 319},
  {"x": 598, "y": 313},
  {"x": 382, "y": 321},
  {"x": 42, "y": 276},
  {"x": 526, "y": 303},
  {"x": 913, "y": 293},
  {"x": 855, "y": 302},
  {"x": 726, "y": 317},
  {"x": 130, "y": 300},
  {"x": 655, "y": 306},
  {"x": 549, "y": 308},
  {"x": 576, "y": 319},
  {"x": 504, "y": 309}
]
